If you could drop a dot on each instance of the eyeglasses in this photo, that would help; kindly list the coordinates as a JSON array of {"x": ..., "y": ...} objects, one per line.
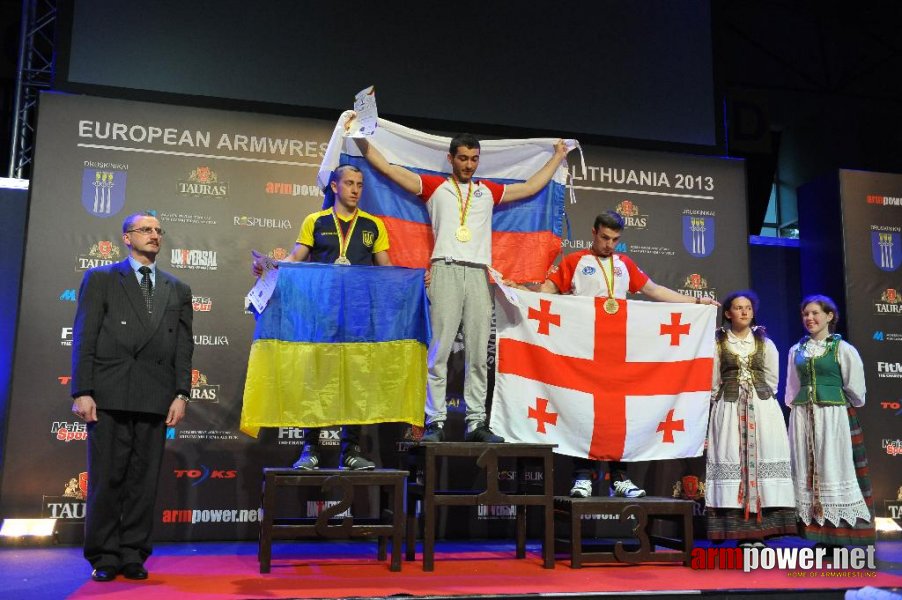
[{"x": 147, "y": 230}]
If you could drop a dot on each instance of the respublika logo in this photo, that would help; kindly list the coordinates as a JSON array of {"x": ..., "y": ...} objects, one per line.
[
  {"x": 886, "y": 248},
  {"x": 203, "y": 182},
  {"x": 262, "y": 222},
  {"x": 103, "y": 252},
  {"x": 202, "y": 260},
  {"x": 103, "y": 189},
  {"x": 69, "y": 295},
  {"x": 204, "y": 339},
  {"x": 630, "y": 213},
  {"x": 698, "y": 232},
  {"x": 696, "y": 285},
  {"x": 800, "y": 562}
]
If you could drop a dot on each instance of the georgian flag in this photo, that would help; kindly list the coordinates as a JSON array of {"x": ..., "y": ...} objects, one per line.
[{"x": 631, "y": 386}]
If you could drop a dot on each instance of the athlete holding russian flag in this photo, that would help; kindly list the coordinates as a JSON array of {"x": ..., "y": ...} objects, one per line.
[{"x": 460, "y": 210}]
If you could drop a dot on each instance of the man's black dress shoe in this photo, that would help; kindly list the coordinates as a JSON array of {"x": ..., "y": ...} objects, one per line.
[
  {"x": 133, "y": 571},
  {"x": 103, "y": 574}
]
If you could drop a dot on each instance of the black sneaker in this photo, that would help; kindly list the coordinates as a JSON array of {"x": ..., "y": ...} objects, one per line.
[
  {"x": 308, "y": 461},
  {"x": 434, "y": 432},
  {"x": 352, "y": 460},
  {"x": 482, "y": 433}
]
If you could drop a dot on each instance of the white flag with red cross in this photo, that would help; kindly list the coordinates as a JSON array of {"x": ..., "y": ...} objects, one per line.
[{"x": 634, "y": 385}]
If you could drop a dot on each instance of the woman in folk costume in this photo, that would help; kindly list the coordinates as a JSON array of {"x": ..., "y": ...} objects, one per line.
[
  {"x": 748, "y": 492},
  {"x": 824, "y": 383}
]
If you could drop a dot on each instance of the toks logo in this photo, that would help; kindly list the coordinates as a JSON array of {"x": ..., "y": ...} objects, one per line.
[
  {"x": 198, "y": 476},
  {"x": 201, "y": 390},
  {"x": 203, "y": 181},
  {"x": 896, "y": 407},
  {"x": 101, "y": 253},
  {"x": 631, "y": 216}
]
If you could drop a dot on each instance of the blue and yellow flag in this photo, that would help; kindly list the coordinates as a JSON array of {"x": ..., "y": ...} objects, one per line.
[{"x": 339, "y": 345}]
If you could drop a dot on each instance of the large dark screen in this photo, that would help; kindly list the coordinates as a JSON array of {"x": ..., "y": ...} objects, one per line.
[{"x": 637, "y": 70}]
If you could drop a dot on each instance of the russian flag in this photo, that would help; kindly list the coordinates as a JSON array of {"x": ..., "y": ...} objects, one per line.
[
  {"x": 526, "y": 235},
  {"x": 339, "y": 345}
]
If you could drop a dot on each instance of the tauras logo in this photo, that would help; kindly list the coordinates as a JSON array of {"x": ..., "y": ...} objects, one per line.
[{"x": 203, "y": 181}]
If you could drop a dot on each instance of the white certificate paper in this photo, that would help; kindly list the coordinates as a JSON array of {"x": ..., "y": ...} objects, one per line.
[
  {"x": 367, "y": 114},
  {"x": 266, "y": 284}
]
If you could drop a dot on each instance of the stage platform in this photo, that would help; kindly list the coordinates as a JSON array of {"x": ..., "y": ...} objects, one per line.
[{"x": 474, "y": 569}]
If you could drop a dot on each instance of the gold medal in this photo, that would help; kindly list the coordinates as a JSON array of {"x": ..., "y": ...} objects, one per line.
[
  {"x": 610, "y": 305},
  {"x": 463, "y": 232},
  {"x": 342, "y": 260}
]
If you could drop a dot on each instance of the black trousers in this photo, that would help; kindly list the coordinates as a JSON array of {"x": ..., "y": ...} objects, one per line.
[
  {"x": 584, "y": 467},
  {"x": 125, "y": 450},
  {"x": 350, "y": 436}
]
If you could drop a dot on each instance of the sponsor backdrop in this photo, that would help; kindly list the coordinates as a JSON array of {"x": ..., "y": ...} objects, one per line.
[
  {"x": 872, "y": 223},
  {"x": 223, "y": 183}
]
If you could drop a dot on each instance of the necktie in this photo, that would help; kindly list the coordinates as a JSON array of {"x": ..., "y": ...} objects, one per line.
[{"x": 147, "y": 287}]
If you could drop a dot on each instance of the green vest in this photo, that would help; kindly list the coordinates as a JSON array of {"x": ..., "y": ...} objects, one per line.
[
  {"x": 820, "y": 378},
  {"x": 730, "y": 369}
]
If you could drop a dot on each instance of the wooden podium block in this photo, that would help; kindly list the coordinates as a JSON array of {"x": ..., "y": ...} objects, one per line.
[
  {"x": 388, "y": 525},
  {"x": 571, "y": 511},
  {"x": 424, "y": 458}
]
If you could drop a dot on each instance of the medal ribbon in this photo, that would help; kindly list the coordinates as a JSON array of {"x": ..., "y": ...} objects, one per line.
[
  {"x": 463, "y": 207},
  {"x": 604, "y": 276},
  {"x": 344, "y": 240}
]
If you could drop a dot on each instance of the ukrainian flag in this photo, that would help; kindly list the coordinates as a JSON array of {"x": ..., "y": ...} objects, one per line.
[{"x": 339, "y": 345}]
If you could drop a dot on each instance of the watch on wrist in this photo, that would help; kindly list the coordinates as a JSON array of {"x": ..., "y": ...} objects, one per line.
[{"x": 182, "y": 397}]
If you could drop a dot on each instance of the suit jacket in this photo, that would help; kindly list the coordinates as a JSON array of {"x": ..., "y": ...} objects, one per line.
[{"x": 124, "y": 357}]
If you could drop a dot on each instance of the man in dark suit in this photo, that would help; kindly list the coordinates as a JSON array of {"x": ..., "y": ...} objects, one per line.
[{"x": 131, "y": 376}]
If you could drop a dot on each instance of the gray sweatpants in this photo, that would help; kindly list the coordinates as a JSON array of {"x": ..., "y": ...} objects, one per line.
[{"x": 459, "y": 293}]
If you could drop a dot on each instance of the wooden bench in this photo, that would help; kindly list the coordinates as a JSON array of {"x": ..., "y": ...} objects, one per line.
[
  {"x": 570, "y": 511},
  {"x": 423, "y": 460},
  {"x": 389, "y": 523}
]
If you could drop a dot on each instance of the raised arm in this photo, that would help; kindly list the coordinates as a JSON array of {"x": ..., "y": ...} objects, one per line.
[
  {"x": 539, "y": 179},
  {"x": 405, "y": 178}
]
